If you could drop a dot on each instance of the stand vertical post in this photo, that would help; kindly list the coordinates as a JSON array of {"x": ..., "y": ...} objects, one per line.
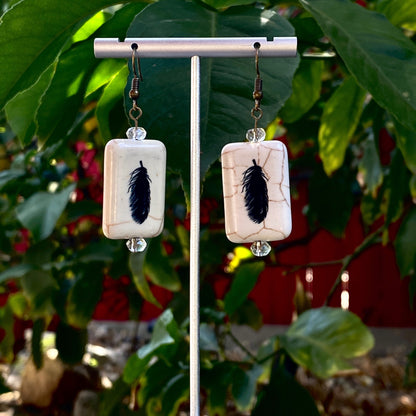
[
  {"x": 195, "y": 48},
  {"x": 194, "y": 240}
]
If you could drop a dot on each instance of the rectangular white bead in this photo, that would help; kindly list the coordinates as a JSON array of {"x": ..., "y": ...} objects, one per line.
[
  {"x": 121, "y": 158},
  {"x": 271, "y": 157}
]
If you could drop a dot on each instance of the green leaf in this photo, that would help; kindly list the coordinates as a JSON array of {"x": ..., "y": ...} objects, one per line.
[
  {"x": 154, "y": 380},
  {"x": 37, "y": 352},
  {"x": 15, "y": 272},
  {"x": 166, "y": 331},
  {"x": 158, "y": 268},
  {"x": 397, "y": 188},
  {"x": 406, "y": 141},
  {"x": 216, "y": 382},
  {"x": 42, "y": 210},
  {"x": 307, "y": 30},
  {"x": 306, "y": 91},
  {"x": 243, "y": 282},
  {"x": 222, "y": 4},
  {"x": 100, "y": 251},
  {"x": 226, "y": 84},
  {"x": 412, "y": 188},
  {"x": 284, "y": 396},
  {"x": 48, "y": 35},
  {"x": 136, "y": 261},
  {"x": 331, "y": 209},
  {"x": 18, "y": 303},
  {"x": 9, "y": 175},
  {"x": 40, "y": 254},
  {"x": 163, "y": 343},
  {"x": 111, "y": 399},
  {"x": 111, "y": 95},
  {"x": 400, "y": 12},
  {"x": 38, "y": 286},
  {"x": 339, "y": 120},
  {"x": 208, "y": 339},
  {"x": 373, "y": 50},
  {"x": 213, "y": 245},
  {"x": 83, "y": 296},
  {"x": 245, "y": 386},
  {"x": 175, "y": 392},
  {"x": 322, "y": 339},
  {"x": 89, "y": 27},
  {"x": 370, "y": 208},
  {"x": 71, "y": 343},
  {"x": 405, "y": 244},
  {"x": 61, "y": 102},
  {"x": 248, "y": 314},
  {"x": 7, "y": 342},
  {"x": 20, "y": 109},
  {"x": 370, "y": 166},
  {"x": 103, "y": 74}
]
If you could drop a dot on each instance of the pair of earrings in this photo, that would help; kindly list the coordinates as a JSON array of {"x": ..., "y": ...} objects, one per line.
[{"x": 255, "y": 183}]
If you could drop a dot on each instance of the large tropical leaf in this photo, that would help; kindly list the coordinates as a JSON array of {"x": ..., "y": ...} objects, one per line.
[
  {"x": 244, "y": 281},
  {"x": 32, "y": 34},
  {"x": 284, "y": 396},
  {"x": 339, "y": 120},
  {"x": 381, "y": 58},
  {"x": 322, "y": 339},
  {"x": 164, "y": 341},
  {"x": 399, "y": 12},
  {"x": 306, "y": 91},
  {"x": 41, "y": 211},
  {"x": 62, "y": 100},
  {"x": 405, "y": 244},
  {"x": 226, "y": 84}
]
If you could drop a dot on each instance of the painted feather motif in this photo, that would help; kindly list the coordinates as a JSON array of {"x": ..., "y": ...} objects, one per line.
[
  {"x": 139, "y": 189},
  {"x": 256, "y": 196}
]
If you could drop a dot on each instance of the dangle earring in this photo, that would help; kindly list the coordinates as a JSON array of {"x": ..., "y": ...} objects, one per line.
[
  {"x": 134, "y": 179},
  {"x": 255, "y": 178}
]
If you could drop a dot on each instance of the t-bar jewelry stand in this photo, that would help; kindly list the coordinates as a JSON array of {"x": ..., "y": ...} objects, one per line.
[{"x": 195, "y": 48}]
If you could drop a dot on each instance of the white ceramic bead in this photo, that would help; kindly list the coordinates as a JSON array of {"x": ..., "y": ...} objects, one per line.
[
  {"x": 256, "y": 191},
  {"x": 133, "y": 170}
]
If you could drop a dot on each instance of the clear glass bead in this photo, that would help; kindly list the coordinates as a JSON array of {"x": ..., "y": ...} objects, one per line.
[
  {"x": 255, "y": 135},
  {"x": 260, "y": 248},
  {"x": 136, "y": 245},
  {"x": 136, "y": 133}
]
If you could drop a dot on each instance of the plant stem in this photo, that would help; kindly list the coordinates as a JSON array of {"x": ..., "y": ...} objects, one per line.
[
  {"x": 346, "y": 261},
  {"x": 268, "y": 357},
  {"x": 313, "y": 264},
  {"x": 239, "y": 343}
]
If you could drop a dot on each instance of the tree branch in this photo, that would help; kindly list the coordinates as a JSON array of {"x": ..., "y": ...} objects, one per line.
[
  {"x": 346, "y": 261},
  {"x": 240, "y": 344}
]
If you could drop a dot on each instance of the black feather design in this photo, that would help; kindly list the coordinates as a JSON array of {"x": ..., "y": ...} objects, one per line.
[
  {"x": 139, "y": 189},
  {"x": 256, "y": 196}
]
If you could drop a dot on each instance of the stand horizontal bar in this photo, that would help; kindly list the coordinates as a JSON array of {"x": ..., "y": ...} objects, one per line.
[{"x": 188, "y": 47}]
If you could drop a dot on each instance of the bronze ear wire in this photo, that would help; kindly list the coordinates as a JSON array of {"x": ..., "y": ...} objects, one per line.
[
  {"x": 258, "y": 90},
  {"x": 134, "y": 92}
]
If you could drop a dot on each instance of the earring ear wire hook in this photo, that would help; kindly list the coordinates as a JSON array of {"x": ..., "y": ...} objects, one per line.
[
  {"x": 134, "y": 92},
  {"x": 135, "y": 59},
  {"x": 256, "y": 111},
  {"x": 257, "y": 47}
]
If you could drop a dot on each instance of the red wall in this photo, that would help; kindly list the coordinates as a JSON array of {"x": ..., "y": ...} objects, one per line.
[{"x": 377, "y": 293}]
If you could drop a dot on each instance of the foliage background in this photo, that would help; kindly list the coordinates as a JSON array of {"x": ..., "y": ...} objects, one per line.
[{"x": 346, "y": 108}]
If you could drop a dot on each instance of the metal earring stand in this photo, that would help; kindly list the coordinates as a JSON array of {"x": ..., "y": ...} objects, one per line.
[{"x": 195, "y": 48}]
